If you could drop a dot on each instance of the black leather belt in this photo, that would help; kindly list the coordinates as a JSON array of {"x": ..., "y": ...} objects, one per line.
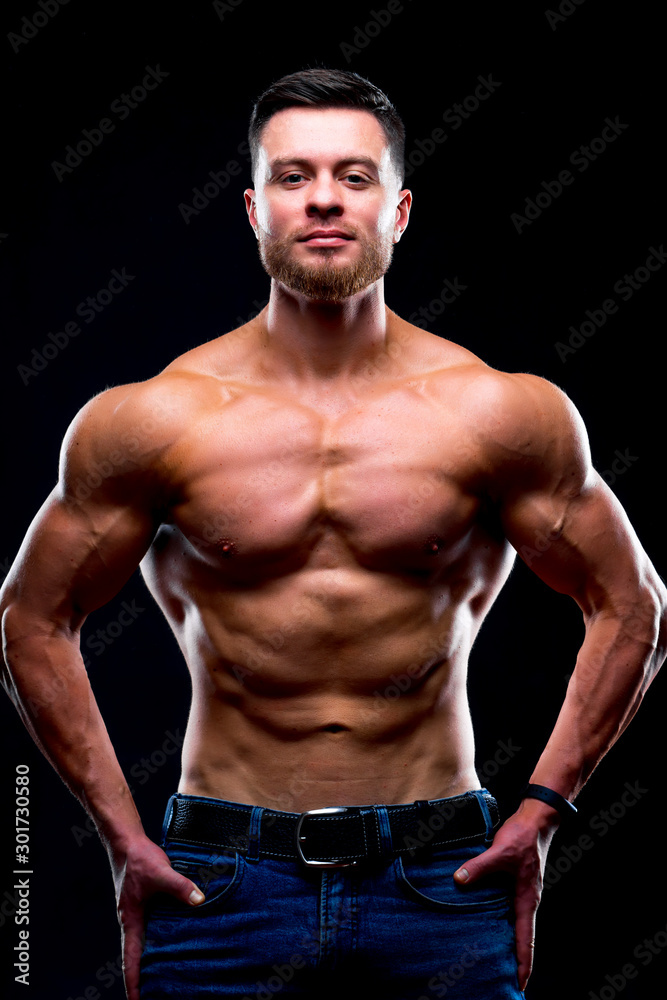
[{"x": 334, "y": 837}]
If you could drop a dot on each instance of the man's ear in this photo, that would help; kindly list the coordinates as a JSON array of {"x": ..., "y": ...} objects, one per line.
[
  {"x": 251, "y": 207},
  {"x": 402, "y": 213}
]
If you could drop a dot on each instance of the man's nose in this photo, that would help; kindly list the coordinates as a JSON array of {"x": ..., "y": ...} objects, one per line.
[{"x": 324, "y": 197}]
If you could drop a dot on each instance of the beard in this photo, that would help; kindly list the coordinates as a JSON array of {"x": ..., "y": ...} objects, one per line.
[{"x": 324, "y": 280}]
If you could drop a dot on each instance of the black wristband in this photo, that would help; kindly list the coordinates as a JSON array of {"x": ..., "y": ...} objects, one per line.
[{"x": 544, "y": 794}]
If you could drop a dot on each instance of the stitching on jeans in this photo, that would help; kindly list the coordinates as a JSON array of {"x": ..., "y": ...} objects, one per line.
[
  {"x": 376, "y": 825},
  {"x": 213, "y": 805},
  {"x": 440, "y": 843},
  {"x": 202, "y": 843}
]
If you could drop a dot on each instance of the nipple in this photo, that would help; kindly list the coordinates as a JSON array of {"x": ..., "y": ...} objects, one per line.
[
  {"x": 227, "y": 547},
  {"x": 433, "y": 544}
]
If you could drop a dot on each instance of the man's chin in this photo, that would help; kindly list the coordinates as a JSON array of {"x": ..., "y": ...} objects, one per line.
[
  {"x": 326, "y": 289},
  {"x": 326, "y": 283}
]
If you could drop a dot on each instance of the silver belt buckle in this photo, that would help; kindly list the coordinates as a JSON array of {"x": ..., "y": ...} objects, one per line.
[{"x": 336, "y": 863}]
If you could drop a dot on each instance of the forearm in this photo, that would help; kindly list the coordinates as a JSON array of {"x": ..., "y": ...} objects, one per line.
[
  {"x": 619, "y": 658},
  {"x": 45, "y": 677}
]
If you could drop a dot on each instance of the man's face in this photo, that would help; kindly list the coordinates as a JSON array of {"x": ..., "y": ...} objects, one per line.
[{"x": 326, "y": 206}]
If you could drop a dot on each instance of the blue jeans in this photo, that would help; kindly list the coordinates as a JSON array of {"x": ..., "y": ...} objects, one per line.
[{"x": 395, "y": 929}]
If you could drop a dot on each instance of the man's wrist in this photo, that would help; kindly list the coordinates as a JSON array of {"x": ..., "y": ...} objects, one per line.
[
  {"x": 549, "y": 797},
  {"x": 121, "y": 835}
]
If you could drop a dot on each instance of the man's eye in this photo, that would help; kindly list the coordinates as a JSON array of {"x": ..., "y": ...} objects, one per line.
[
  {"x": 356, "y": 179},
  {"x": 293, "y": 178}
]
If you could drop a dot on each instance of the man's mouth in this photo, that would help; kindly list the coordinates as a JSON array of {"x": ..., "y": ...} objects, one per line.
[{"x": 326, "y": 237}]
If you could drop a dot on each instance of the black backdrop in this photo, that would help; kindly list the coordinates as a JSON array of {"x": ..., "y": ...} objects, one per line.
[{"x": 553, "y": 79}]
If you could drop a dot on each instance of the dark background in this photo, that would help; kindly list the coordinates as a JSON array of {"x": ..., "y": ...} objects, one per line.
[{"x": 119, "y": 208}]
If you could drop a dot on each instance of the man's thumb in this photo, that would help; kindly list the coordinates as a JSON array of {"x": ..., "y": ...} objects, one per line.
[
  {"x": 196, "y": 896},
  {"x": 469, "y": 872},
  {"x": 190, "y": 893}
]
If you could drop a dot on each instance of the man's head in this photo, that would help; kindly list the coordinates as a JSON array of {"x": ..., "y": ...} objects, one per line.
[
  {"x": 327, "y": 152},
  {"x": 328, "y": 88}
]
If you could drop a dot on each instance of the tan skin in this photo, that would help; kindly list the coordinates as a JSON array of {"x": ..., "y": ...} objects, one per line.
[{"x": 323, "y": 500}]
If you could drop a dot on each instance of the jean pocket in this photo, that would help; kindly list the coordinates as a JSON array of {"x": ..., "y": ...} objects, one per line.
[
  {"x": 217, "y": 873},
  {"x": 428, "y": 878}
]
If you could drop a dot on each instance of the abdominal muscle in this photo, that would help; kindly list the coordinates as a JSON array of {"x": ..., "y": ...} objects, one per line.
[{"x": 334, "y": 687}]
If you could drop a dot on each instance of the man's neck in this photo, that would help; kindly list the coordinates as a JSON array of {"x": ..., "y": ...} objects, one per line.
[{"x": 314, "y": 343}]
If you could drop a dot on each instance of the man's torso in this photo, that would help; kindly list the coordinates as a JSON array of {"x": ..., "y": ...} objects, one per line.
[{"x": 325, "y": 562}]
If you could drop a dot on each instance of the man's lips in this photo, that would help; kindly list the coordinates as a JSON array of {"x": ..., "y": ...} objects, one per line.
[{"x": 326, "y": 237}]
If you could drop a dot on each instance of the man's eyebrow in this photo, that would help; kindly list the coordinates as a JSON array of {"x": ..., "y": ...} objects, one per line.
[{"x": 299, "y": 161}]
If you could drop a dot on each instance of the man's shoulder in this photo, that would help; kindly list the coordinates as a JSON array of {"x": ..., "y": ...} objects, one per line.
[
  {"x": 510, "y": 396},
  {"x": 520, "y": 412},
  {"x": 140, "y": 418},
  {"x": 431, "y": 351},
  {"x": 516, "y": 398},
  {"x": 528, "y": 430},
  {"x": 159, "y": 399},
  {"x": 510, "y": 415}
]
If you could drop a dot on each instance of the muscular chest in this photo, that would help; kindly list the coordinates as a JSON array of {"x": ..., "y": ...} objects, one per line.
[{"x": 388, "y": 483}]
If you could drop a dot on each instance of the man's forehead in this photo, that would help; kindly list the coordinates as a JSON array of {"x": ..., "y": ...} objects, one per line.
[{"x": 310, "y": 133}]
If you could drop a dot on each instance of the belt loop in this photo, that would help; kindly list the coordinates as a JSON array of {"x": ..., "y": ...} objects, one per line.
[
  {"x": 384, "y": 830},
  {"x": 253, "y": 833},
  {"x": 169, "y": 812},
  {"x": 482, "y": 795},
  {"x": 424, "y": 810}
]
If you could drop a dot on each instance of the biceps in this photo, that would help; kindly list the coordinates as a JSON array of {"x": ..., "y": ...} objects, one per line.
[
  {"x": 583, "y": 546},
  {"x": 76, "y": 557}
]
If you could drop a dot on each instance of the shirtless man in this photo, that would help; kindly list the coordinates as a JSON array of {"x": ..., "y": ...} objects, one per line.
[{"x": 321, "y": 501}]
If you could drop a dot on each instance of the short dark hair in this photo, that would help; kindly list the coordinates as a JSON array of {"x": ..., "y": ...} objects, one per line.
[{"x": 328, "y": 88}]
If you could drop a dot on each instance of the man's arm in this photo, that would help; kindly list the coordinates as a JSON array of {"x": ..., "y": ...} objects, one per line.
[
  {"x": 77, "y": 555},
  {"x": 556, "y": 508}
]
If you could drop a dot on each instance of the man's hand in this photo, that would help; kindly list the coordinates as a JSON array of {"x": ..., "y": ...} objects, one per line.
[
  {"x": 141, "y": 870},
  {"x": 520, "y": 847}
]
